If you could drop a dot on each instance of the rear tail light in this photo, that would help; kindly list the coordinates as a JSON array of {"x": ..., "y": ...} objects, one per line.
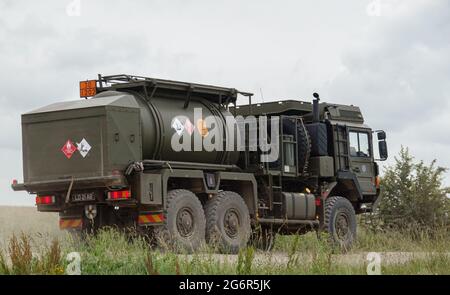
[
  {"x": 318, "y": 202},
  {"x": 377, "y": 181},
  {"x": 119, "y": 195},
  {"x": 45, "y": 200}
]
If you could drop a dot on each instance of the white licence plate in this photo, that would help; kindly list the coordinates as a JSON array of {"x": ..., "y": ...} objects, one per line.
[{"x": 80, "y": 197}]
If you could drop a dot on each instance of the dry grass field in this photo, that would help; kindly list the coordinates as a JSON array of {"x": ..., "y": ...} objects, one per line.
[
  {"x": 17, "y": 220},
  {"x": 40, "y": 247},
  {"x": 27, "y": 220}
]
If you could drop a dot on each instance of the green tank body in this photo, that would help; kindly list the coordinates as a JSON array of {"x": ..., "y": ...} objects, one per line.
[{"x": 119, "y": 128}]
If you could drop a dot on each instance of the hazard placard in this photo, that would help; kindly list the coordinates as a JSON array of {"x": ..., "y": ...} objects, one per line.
[{"x": 68, "y": 149}]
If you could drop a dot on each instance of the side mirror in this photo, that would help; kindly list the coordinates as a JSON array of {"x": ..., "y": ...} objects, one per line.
[
  {"x": 382, "y": 148},
  {"x": 381, "y": 135}
]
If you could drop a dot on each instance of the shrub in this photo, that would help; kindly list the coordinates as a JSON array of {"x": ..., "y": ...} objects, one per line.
[{"x": 413, "y": 194}]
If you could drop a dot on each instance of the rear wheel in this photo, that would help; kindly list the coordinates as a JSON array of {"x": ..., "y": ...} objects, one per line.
[
  {"x": 340, "y": 222},
  {"x": 228, "y": 222},
  {"x": 184, "y": 222}
]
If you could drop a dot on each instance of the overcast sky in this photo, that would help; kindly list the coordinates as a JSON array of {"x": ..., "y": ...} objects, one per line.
[{"x": 390, "y": 57}]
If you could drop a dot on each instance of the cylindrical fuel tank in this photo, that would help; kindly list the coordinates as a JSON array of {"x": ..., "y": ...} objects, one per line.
[
  {"x": 165, "y": 121},
  {"x": 299, "y": 206}
]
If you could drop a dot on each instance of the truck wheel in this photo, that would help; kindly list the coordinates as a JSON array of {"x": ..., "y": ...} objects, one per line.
[
  {"x": 184, "y": 222},
  {"x": 228, "y": 222},
  {"x": 340, "y": 222},
  {"x": 263, "y": 239}
]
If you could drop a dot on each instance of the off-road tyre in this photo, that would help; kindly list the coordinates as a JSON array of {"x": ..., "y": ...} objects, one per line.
[
  {"x": 340, "y": 222},
  {"x": 184, "y": 225},
  {"x": 228, "y": 226},
  {"x": 304, "y": 148}
]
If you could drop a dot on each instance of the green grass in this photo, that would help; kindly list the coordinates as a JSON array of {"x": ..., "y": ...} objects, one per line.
[
  {"x": 111, "y": 252},
  {"x": 412, "y": 240}
]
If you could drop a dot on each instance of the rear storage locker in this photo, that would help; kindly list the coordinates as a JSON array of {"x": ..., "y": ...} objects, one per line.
[{"x": 85, "y": 141}]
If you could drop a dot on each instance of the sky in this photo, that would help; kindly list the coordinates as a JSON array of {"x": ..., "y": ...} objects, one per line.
[{"x": 390, "y": 57}]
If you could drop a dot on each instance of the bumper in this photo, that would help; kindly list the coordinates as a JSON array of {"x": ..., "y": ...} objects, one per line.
[{"x": 63, "y": 184}]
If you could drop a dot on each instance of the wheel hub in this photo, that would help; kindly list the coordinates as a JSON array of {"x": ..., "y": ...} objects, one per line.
[
  {"x": 185, "y": 222},
  {"x": 231, "y": 223},
  {"x": 342, "y": 226}
]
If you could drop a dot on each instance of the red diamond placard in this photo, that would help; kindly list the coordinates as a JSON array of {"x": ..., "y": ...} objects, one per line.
[{"x": 68, "y": 149}]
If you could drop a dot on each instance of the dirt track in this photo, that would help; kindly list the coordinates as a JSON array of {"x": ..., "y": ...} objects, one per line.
[{"x": 280, "y": 258}]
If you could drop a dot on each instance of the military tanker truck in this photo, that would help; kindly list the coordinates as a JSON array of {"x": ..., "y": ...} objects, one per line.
[{"x": 184, "y": 162}]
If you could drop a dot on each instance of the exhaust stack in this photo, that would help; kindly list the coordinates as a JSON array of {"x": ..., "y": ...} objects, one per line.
[{"x": 316, "y": 117}]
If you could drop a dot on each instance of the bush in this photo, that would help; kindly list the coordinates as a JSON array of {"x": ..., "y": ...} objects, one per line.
[{"x": 413, "y": 194}]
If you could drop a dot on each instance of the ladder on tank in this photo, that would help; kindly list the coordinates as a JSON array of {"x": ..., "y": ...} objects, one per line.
[
  {"x": 277, "y": 195},
  {"x": 342, "y": 148}
]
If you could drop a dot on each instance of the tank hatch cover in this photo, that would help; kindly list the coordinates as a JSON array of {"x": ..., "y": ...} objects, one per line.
[{"x": 283, "y": 107}]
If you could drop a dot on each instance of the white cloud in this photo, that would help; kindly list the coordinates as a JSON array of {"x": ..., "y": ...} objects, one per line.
[
  {"x": 395, "y": 66},
  {"x": 399, "y": 75}
]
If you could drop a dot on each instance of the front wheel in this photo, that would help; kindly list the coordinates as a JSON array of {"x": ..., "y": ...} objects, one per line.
[
  {"x": 227, "y": 222},
  {"x": 340, "y": 222}
]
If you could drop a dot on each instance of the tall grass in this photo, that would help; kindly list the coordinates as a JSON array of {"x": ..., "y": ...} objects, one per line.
[
  {"x": 113, "y": 252},
  {"x": 408, "y": 240},
  {"x": 245, "y": 261},
  {"x": 20, "y": 259}
]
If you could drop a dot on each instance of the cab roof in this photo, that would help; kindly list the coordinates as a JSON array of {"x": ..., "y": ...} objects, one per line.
[{"x": 335, "y": 112}]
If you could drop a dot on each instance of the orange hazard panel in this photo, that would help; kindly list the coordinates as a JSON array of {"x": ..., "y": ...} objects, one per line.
[
  {"x": 88, "y": 88},
  {"x": 70, "y": 223},
  {"x": 150, "y": 218}
]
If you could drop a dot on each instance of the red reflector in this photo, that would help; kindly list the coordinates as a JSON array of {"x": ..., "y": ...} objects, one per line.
[
  {"x": 377, "y": 182},
  {"x": 14, "y": 181},
  {"x": 318, "y": 202},
  {"x": 45, "y": 200},
  {"x": 70, "y": 223},
  {"x": 147, "y": 218},
  {"x": 119, "y": 195}
]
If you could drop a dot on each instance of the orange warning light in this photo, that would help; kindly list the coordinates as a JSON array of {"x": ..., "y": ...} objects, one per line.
[{"x": 88, "y": 88}]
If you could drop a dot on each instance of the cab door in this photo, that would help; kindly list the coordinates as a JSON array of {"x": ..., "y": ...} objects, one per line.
[{"x": 361, "y": 159}]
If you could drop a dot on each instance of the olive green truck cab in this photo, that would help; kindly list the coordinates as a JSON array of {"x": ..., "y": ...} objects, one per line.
[{"x": 178, "y": 161}]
